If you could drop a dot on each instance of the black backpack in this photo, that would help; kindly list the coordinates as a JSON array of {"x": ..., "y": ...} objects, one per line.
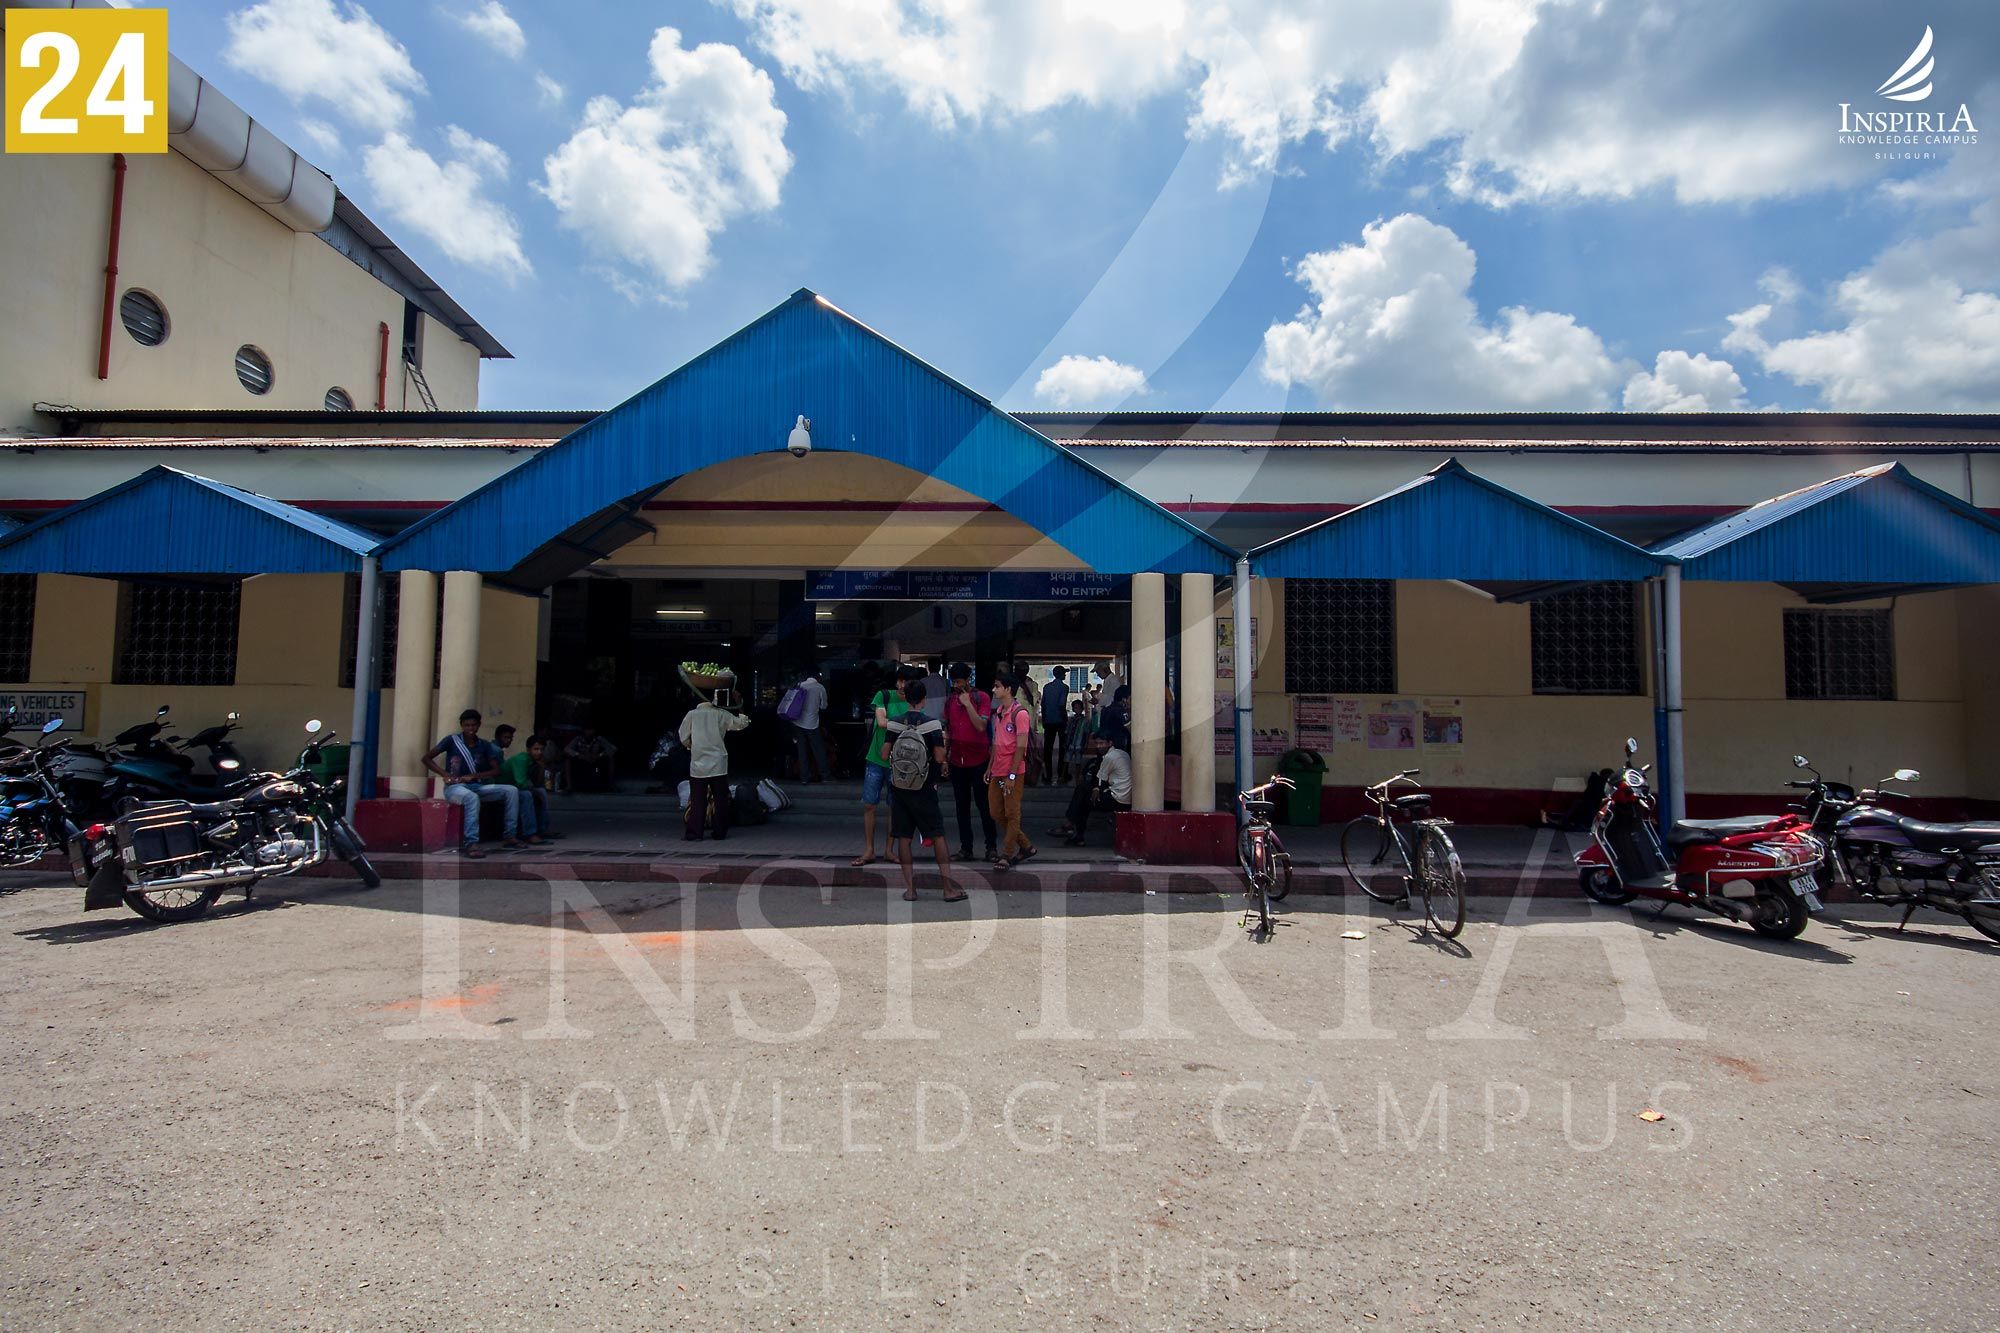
[{"x": 745, "y": 806}]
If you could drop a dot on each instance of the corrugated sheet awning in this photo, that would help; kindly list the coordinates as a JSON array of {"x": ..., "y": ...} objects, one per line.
[
  {"x": 165, "y": 521},
  {"x": 1879, "y": 526},
  {"x": 1451, "y": 523},
  {"x": 571, "y": 503}
]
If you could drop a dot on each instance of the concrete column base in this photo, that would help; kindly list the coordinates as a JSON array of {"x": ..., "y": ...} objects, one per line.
[
  {"x": 1176, "y": 837},
  {"x": 407, "y": 825}
]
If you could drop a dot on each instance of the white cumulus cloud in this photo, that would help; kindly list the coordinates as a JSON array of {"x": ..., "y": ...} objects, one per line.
[
  {"x": 311, "y": 50},
  {"x": 648, "y": 186},
  {"x": 492, "y": 24},
  {"x": 1679, "y": 382},
  {"x": 447, "y": 202},
  {"x": 1391, "y": 324},
  {"x": 1089, "y": 381},
  {"x": 1514, "y": 99},
  {"x": 1917, "y": 329},
  {"x": 551, "y": 91}
]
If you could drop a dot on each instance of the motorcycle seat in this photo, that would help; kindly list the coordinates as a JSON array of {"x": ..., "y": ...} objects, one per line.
[
  {"x": 1936, "y": 837},
  {"x": 1692, "y": 832}
]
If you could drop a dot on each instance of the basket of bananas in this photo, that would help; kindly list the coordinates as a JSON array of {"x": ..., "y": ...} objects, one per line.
[{"x": 707, "y": 677}]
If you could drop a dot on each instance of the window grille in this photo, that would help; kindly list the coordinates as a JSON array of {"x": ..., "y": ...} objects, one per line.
[
  {"x": 339, "y": 400},
  {"x": 1586, "y": 641},
  {"x": 145, "y": 319},
  {"x": 1840, "y": 655},
  {"x": 253, "y": 369},
  {"x": 17, "y": 625},
  {"x": 1340, "y": 636},
  {"x": 350, "y": 629},
  {"x": 179, "y": 634}
]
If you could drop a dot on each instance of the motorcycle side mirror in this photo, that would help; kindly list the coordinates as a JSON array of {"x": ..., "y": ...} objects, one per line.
[
  {"x": 312, "y": 727},
  {"x": 1631, "y": 746},
  {"x": 232, "y": 717},
  {"x": 52, "y": 726},
  {"x": 161, "y": 711},
  {"x": 1799, "y": 761},
  {"x": 1906, "y": 775}
]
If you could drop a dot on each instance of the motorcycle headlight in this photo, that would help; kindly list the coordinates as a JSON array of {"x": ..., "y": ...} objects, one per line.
[
  {"x": 229, "y": 765},
  {"x": 1634, "y": 778}
]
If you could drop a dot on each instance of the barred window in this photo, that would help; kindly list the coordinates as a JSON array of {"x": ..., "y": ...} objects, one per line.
[
  {"x": 392, "y": 608},
  {"x": 17, "y": 625},
  {"x": 179, "y": 634},
  {"x": 1840, "y": 655},
  {"x": 1340, "y": 636},
  {"x": 1586, "y": 640}
]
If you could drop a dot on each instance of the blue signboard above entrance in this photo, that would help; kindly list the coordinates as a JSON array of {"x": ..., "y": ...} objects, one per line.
[{"x": 963, "y": 585}]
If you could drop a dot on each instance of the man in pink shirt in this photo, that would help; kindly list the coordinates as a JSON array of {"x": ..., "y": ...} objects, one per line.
[
  {"x": 966, "y": 713},
  {"x": 1006, "y": 769}
]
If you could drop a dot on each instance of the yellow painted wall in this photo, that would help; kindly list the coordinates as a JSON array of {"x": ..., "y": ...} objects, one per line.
[
  {"x": 226, "y": 272},
  {"x": 1741, "y": 730}
]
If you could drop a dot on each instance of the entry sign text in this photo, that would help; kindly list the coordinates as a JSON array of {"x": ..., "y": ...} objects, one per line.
[
  {"x": 86, "y": 80},
  {"x": 962, "y": 585},
  {"x": 36, "y": 704}
]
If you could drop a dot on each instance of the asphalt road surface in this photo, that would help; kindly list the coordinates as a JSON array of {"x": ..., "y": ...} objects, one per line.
[{"x": 504, "y": 1106}]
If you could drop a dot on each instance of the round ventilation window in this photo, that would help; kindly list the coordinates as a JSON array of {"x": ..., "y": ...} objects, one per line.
[
  {"x": 337, "y": 400},
  {"x": 145, "y": 318},
  {"x": 253, "y": 368}
]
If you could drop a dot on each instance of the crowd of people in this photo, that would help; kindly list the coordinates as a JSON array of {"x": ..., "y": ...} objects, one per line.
[{"x": 928, "y": 728}]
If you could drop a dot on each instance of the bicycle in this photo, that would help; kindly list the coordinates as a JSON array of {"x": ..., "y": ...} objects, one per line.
[
  {"x": 1429, "y": 859},
  {"x": 1267, "y": 866}
]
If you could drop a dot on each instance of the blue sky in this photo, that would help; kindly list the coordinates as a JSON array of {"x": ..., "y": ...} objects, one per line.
[{"x": 1252, "y": 204}]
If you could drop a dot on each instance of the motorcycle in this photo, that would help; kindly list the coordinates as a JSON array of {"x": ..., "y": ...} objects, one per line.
[
  {"x": 1892, "y": 858},
  {"x": 1755, "y": 869},
  {"x": 167, "y": 766},
  {"x": 32, "y": 818},
  {"x": 170, "y": 860}
]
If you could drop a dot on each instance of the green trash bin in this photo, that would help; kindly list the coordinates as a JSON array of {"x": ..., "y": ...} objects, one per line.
[
  {"x": 1306, "y": 771},
  {"x": 332, "y": 762}
]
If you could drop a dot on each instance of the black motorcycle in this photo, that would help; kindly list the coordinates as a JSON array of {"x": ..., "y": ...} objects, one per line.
[
  {"x": 170, "y": 860},
  {"x": 33, "y": 821},
  {"x": 1887, "y": 857}
]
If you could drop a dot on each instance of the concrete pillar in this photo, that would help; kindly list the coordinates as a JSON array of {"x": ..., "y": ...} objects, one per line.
[
  {"x": 1241, "y": 612},
  {"x": 1197, "y": 692},
  {"x": 1674, "y": 760},
  {"x": 1149, "y": 691},
  {"x": 367, "y": 640},
  {"x": 458, "y": 648},
  {"x": 410, "y": 729}
]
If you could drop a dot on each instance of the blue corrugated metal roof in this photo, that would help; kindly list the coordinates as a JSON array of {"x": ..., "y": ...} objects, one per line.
[
  {"x": 862, "y": 393},
  {"x": 1880, "y": 525},
  {"x": 1452, "y": 523},
  {"x": 165, "y": 521}
]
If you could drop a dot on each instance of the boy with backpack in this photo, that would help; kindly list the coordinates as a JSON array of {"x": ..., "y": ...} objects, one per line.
[{"x": 916, "y": 758}]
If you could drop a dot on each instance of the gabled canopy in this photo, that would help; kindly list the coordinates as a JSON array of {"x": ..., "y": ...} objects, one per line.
[
  {"x": 165, "y": 521},
  {"x": 1451, "y": 523},
  {"x": 1880, "y": 527},
  {"x": 570, "y": 504}
]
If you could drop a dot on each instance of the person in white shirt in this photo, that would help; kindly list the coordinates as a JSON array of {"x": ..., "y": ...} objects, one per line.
[
  {"x": 1108, "y": 682},
  {"x": 806, "y": 733},
  {"x": 1111, "y": 791},
  {"x": 704, "y": 731}
]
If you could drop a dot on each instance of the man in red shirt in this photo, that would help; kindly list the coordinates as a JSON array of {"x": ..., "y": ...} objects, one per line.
[{"x": 966, "y": 713}]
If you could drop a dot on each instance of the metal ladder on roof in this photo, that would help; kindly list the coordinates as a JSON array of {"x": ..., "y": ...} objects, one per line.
[{"x": 424, "y": 394}]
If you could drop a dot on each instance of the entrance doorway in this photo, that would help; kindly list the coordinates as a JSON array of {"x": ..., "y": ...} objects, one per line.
[{"x": 615, "y": 643}]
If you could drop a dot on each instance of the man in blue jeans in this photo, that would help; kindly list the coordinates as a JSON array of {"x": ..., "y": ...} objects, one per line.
[{"x": 470, "y": 770}]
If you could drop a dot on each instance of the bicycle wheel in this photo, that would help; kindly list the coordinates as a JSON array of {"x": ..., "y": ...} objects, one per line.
[
  {"x": 1365, "y": 851},
  {"x": 1443, "y": 881},
  {"x": 1281, "y": 875}
]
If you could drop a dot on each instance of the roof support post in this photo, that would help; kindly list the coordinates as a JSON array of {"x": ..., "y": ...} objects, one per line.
[
  {"x": 1149, "y": 691},
  {"x": 416, "y": 648},
  {"x": 458, "y": 646},
  {"x": 1197, "y": 695},
  {"x": 1674, "y": 781},
  {"x": 1239, "y": 607},
  {"x": 367, "y": 683}
]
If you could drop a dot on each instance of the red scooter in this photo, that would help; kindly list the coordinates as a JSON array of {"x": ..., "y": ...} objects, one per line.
[{"x": 1756, "y": 868}]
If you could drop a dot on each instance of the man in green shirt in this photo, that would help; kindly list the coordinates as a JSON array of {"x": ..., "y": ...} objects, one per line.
[
  {"x": 887, "y": 705},
  {"x": 524, "y": 771}
]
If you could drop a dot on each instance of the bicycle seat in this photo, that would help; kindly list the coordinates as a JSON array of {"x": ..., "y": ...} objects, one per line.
[
  {"x": 1261, "y": 809},
  {"x": 1416, "y": 803}
]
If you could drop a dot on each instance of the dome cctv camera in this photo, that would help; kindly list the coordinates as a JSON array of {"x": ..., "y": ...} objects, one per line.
[{"x": 800, "y": 444}]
